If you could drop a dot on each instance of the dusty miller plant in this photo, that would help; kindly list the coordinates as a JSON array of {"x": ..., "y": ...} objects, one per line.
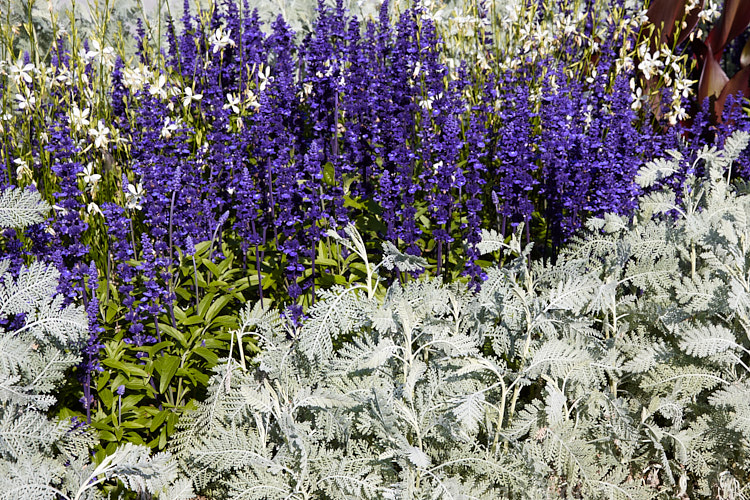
[
  {"x": 43, "y": 458},
  {"x": 619, "y": 372}
]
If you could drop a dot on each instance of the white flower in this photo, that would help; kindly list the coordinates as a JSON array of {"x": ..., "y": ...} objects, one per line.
[
  {"x": 678, "y": 114},
  {"x": 436, "y": 167},
  {"x": 64, "y": 77},
  {"x": 233, "y": 102},
  {"x": 20, "y": 72},
  {"x": 251, "y": 99},
  {"x": 158, "y": 87},
  {"x": 7, "y": 117},
  {"x": 683, "y": 87},
  {"x": 105, "y": 55},
  {"x": 417, "y": 68},
  {"x": 78, "y": 118},
  {"x": 427, "y": 103},
  {"x": 89, "y": 177},
  {"x": 22, "y": 168},
  {"x": 168, "y": 128},
  {"x": 636, "y": 95},
  {"x": 625, "y": 63},
  {"x": 26, "y": 103},
  {"x": 133, "y": 79},
  {"x": 649, "y": 64},
  {"x": 62, "y": 210},
  {"x": 134, "y": 197},
  {"x": 108, "y": 57},
  {"x": 219, "y": 40},
  {"x": 264, "y": 77},
  {"x": 100, "y": 135},
  {"x": 709, "y": 13},
  {"x": 189, "y": 96},
  {"x": 93, "y": 208}
]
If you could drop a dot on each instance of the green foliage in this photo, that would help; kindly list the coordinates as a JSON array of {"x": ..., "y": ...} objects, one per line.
[
  {"x": 44, "y": 458},
  {"x": 160, "y": 381},
  {"x": 619, "y": 372}
]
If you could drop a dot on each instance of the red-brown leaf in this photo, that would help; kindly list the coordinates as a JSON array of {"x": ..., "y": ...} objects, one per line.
[
  {"x": 734, "y": 19},
  {"x": 740, "y": 82},
  {"x": 666, "y": 12},
  {"x": 713, "y": 79}
]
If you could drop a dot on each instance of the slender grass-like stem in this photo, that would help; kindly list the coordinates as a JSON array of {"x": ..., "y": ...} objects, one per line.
[
  {"x": 158, "y": 330},
  {"x": 195, "y": 283},
  {"x": 258, "y": 259},
  {"x": 132, "y": 234},
  {"x": 439, "y": 257},
  {"x": 170, "y": 302},
  {"x": 220, "y": 223}
]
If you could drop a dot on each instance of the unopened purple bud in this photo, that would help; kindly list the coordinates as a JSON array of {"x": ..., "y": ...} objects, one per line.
[
  {"x": 223, "y": 218},
  {"x": 120, "y": 390},
  {"x": 177, "y": 178}
]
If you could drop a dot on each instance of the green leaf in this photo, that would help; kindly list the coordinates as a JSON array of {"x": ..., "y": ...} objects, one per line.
[
  {"x": 204, "y": 304},
  {"x": 131, "y": 401},
  {"x": 350, "y": 202},
  {"x": 172, "y": 419},
  {"x": 111, "y": 312},
  {"x": 107, "y": 436},
  {"x": 225, "y": 321},
  {"x": 166, "y": 366},
  {"x": 206, "y": 354},
  {"x": 107, "y": 397},
  {"x": 329, "y": 174},
  {"x": 183, "y": 294},
  {"x": 216, "y": 307},
  {"x": 192, "y": 320},
  {"x": 212, "y": 267},
  {"x": 153, "y": 349},
  {"x": 175, "y": 333},
  {"x": 325, "y": 262},
  {"x": 125, "y": 367}
]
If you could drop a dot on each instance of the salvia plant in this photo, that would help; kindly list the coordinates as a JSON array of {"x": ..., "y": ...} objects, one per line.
[
  {"x": 41, "y": 340},
  {"x": 619, "y": 372}
]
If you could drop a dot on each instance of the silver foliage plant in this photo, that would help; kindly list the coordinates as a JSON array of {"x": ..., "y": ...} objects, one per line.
[
  {"x": 621, "y": 372},
  {"x": 43, "y": 458}
]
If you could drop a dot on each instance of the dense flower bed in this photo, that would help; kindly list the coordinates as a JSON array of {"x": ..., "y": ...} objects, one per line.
[{"x": 206, "y": 172}]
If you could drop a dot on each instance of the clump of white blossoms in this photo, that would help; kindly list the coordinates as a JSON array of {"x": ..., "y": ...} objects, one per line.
[
  {"x": 650, "y": 63},
  {"x": 22, "y": 169},
  {"x": 90, "y": 178},
  {"x": 189, "y": 96},
  {"x": 26, "y": 102},
  {"x": 100, "y": 135},
  {"x": 159, "y": 87},
  {"x": 169, "y": 127},
  {"x": 133, "y": 79},
  {"x": 21, "y": 73},
  {"x": 134, "y": 196},
  {"x": 233, "y": 102},
  {"x": 220, "y": 39},
  {"x": 79, "y": 119},
  {"x": 103, "y": 55}
]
